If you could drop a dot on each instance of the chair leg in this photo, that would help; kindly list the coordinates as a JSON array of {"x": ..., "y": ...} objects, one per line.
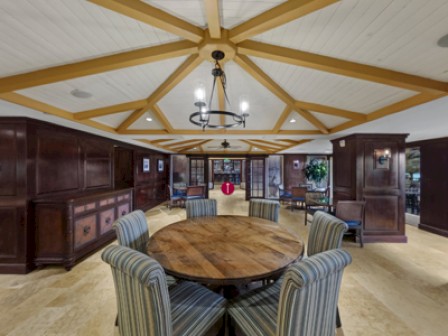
[
  {"x": 360, "y": 238},
  {"x": 338, "y": 318}
]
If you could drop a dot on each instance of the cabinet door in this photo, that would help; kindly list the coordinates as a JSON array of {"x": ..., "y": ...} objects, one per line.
[
  {"x": 123, "y": 209},
  {"x": 107, "y": 218},
  {"x": 85, "y": 230}
]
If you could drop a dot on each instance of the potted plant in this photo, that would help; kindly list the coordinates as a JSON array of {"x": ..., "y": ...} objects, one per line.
[{"x": 316, "y": 171}]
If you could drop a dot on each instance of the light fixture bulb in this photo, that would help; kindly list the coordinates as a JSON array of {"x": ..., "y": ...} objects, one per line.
[
  {"x": 292, "y": 120},
  {"x": 148, "y": 119},
  {"x": 199, "y": 93}
]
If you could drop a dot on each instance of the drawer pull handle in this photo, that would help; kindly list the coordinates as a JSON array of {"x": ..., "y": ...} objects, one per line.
[
  {"x": 123, "y": 212},
  {"x": 108, "y": 220},
  {"x": 86, "y": 229}
]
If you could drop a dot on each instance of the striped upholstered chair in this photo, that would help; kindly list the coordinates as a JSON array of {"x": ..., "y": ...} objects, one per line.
[
  {"x": 264, "y": 208},
  {"x": 146, "y": 306},
  {"x": 201, "y": 207},
  {"x": 303, "y": 304},
  {"x": 132, "y": 231},
  {"x": 326, "y": 233}
]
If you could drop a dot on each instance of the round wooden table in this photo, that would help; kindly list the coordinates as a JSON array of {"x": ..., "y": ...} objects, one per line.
[{"x": 225, "y": 250}]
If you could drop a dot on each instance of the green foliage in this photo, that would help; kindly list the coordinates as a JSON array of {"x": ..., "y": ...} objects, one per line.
[{"x": 316, "y": 171}]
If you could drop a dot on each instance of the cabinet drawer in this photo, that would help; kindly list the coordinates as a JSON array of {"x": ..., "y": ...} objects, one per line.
[
  {"x": 107, "y": 218},
  {"x": 84, "y": 207},
  {"x": 123, "y": 197},
  {"x": 123, "y": 209},
  {"x": 85, "y": 230},
  {"x": 107, "y": 201}
]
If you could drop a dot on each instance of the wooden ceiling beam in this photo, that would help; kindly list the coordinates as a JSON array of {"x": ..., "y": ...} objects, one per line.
[
  {"x": 162, "y": 118},
  {"x": 331, "y": 111},
  {"x": 265, "y": 80},
  {"x": 256, "y": 145},
  {"x": 213, "y": 18},
  {"x": 269, "y": 143},
  {"x": 149, "y": 142},
  {"x": 178, "y": 75},
  {"x": 182, "y": 143},
  {"x": 22, "y": 100},
  {"x": 281, "y": 120},
  {"x": 341, "y": 67},
  {"x": 96, "y": 65},
  {"x": 183, "y": 149},
  {"x": 152, "y": 16},
  {"x": 277, "y": 16},
  {"x": 99, "y": 112},
  {"x": 297, "y": 143}
]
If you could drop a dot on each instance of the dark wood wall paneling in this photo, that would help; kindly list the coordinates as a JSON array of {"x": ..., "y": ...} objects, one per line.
[
  {"x": 357, "y": 176},
  {"x": 433, "y": 185},
  {"x": 14, "y": 239},
  {"x": 293, "y": 177},
  {"x": 150, "y": 188},
  {"x": 39, "y": 159}
]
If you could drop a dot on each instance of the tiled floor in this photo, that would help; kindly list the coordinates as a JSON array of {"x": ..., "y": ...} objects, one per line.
[{"x": 389, "y": 289}]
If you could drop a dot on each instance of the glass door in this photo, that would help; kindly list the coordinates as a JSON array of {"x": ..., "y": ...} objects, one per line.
[{"x": 257, "y": 178}]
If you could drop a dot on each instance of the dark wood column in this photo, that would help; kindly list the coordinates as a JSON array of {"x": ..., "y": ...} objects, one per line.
[
  {"x": 362, "y": 172},
  {"x": 434, "y": 185}
]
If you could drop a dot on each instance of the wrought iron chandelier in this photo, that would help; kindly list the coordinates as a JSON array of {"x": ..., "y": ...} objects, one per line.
[{"x": 202, "y": 116}]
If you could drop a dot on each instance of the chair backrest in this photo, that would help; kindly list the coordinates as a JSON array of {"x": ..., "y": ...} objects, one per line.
[
  {"x": 201, "y": 207},
  {"x": 196, "y": 191},
  {"x": 351, "y": 210},
  {"x": 309, "y": 295},
  {"x": 326, "y": 233},
  {"x": 299, "y": 191},
  {"x": 142, "y": 294},
  {"x": 132, "y": 230},
  {"x": 264, "y": 208},
  {"x": 312, "y": 195}
]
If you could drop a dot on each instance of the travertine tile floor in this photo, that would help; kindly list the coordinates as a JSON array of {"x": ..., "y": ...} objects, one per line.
[{"x": 389, "y": 289}]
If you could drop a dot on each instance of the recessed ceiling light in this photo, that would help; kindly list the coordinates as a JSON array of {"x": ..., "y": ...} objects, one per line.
[
  {"x": 292, "y": 120},
  {"x": 80, "y": 94},
  {"x": 443, "y": 41},
  {"x": 148, "y": 119}
]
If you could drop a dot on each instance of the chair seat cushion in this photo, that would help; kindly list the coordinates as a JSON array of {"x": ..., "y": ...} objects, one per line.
[
  {"x": 194, "y": 308},
  {"x": 256, "y": 311},
  {"x": 194, "y": 197},
  {"x": 300, "y": 199},
  {"x": 353, "y": 223}
]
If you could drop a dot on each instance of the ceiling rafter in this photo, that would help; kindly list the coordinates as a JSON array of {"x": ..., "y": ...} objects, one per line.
[
  {"x": 281, "y": 120},
  {"x": 25, "y": 101},
  {"x": 152, "y": 143},
  {"x": 257, "y": 145},
  {"x": 390, "y": 109},
  {"x": 107, "y": 110},
  {"x": 150, "y": 15},
  {"x": 186, "y": 148},
  {"x": 162, "y": 118},
  {"x": 341, "y": 67},
  {"x": 213, "y": 18},
  {"x": 269, "y": 143},
  {"x": 180, "y": 73},
  {"x": 156, "y": 141},
  {"x": 331, "y": 110},
  {"x": 251, "y": 68},
  {"x": 297, "y": 143},
  {"x": 97, "y": 65},
  {"x": 181, "y": 143},
  {"x": 277, "y": 16}
]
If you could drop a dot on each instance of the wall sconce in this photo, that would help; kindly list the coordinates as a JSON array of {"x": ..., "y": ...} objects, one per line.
[{"x": 383, "y": 158}]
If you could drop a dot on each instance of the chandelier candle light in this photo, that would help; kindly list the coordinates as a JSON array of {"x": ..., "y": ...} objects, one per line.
[{"x": 202, "y": 117}]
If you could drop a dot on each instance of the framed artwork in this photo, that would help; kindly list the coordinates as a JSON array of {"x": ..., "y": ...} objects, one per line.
[
  {"x": 146, "y": 165},
  {"x": 160, "y": 165}
]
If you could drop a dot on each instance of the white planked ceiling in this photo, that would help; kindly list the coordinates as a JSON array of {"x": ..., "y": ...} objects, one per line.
[{"x": 397, "y": 35}]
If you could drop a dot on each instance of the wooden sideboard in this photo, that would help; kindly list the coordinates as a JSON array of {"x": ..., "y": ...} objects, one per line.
[{"x": 69, "y": 228}]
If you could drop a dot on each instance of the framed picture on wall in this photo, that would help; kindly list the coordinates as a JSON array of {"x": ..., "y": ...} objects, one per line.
[
  {"x": 146, "y": 165},
  {"x": 160, "y": 165}
]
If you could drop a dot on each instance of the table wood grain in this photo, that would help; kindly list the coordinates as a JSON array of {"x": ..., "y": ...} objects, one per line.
[{"x": 225, "y": 250}]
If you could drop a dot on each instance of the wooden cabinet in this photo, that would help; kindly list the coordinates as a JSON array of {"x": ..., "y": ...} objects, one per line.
[{"x": 70, "y": 228}]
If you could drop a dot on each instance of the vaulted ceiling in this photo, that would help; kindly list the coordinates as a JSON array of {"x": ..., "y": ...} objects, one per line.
[{"x": 330, "y": 65}]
